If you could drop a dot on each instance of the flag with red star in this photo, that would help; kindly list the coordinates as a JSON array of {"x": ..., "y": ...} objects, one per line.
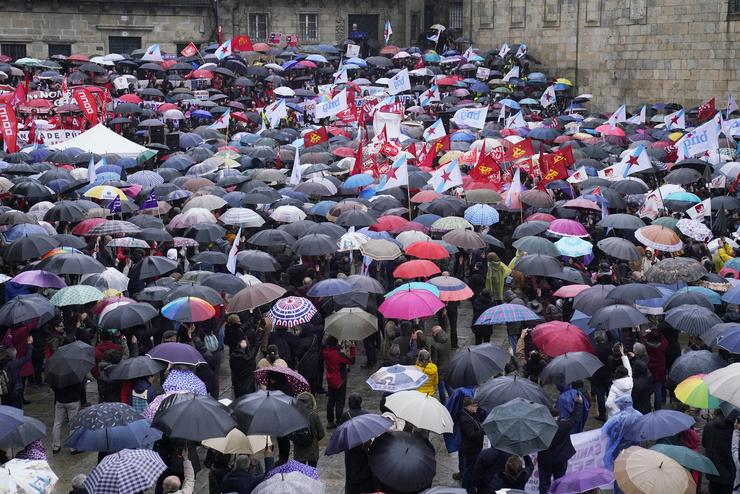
[
  {"x": 397, "y": 175},
  {"x": 446, "y": 177},
  {"x": 548, "y": 97}
]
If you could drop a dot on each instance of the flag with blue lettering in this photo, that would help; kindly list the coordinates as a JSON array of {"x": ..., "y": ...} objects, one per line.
[
  {"x": 446, "y": 177},
  {"x": 471, "y": 117},
  {"x": 435, "y": 131},
  {"x": 701, "y": 140},
  {"x": 150, "y": 202},
  {"x": 332, "y": 106},
  {"x": 115, "y": 205},
  {"x": 399, "y": 82}
]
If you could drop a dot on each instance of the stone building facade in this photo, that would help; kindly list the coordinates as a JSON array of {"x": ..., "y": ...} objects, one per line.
[
  {"x": 48, "y": 27},
  {"x": 622, "y": 51}
]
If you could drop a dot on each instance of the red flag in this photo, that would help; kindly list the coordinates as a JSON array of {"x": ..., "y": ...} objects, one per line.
[
  {"x": 487, "y": 170},
  {"x": 732, "y": 188},
  {"x": 315, "y": 137},
  {"x": 553, "y": 167},
  {"x": 707, "y": 110},
  {"x": 521, "y": 149},
  {"x": 19, "y": 97},
  {"x": 32, "y": 132},
  {"x": 357, "y": 168},
  {"x": 9, "y": 126},
  {"x": 190, "y": 50},
  {"x": 65, "y": 86},
  {"x": 278, "y": 163},
  {"x": 419, "y": 64},
  {"x": 242, "y": 43},
  {"x": 87, "y": 104}
]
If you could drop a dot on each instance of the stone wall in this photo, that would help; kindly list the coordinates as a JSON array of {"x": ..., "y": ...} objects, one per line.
[{"x": 622, "y": 51}]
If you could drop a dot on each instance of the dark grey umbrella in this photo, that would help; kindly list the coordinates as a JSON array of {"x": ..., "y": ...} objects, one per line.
[
  {"x": 71, "y": 263},
  {"x": 258, "y": 261},
  {"x": 504, "y": 389},
  {"x": 297, "y": 229},
  {"x": 365, "y": 284},
  {"x": 325, "y": 228},
  {"x": 269, "y": 237},
  {"x": 70, "y": 364},
  {"x": 415, "y": 472},
  {"x": 23, "y": 308},
  {"x": 270, "y": 413},
  {"x": 571, "y": 275},
  {"x": 224, "y": 282},
  {"x": 682, "y": 176},
  {"x": 694, "y": 320},
  {"x": 205, "y": 232},
  {"x": 134, "y": 367},
  {"x": 675, "y": 269},
  {"x": 536, "y": 245},
  {"x": 618, "y": 248},
  {"x": 193, "y": 418},
  {"x": 617, "y": 316},
  {"x": 357, "y": 431},
  {"x": 634, "y": 291},
  {"x": 530, "y": 228},
  {"x": 208, "y": 294},
  {"x": 128, "y": 315},
  {"x": 680, "y": 299},
  {"x": 695, "y": 362},
  {"x": 357, "y": 218},
  {"x": 538, "y": 265},
  {"x": 520, "y": 427},
  {"x": 21, "y": 436},
  {"x": 29, "y": 247},
  {"x": 151, "y": 267},
  {"x": 153, "y": 293},
  {"x": 476, "y": 365},
  {"x": 569, "y": 367},
  {"x": 315, "y": 244},
  {"x": 592, "y": 299}
]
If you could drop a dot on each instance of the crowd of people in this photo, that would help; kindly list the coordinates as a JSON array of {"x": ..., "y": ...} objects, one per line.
[{"x": 254, "y": 237}]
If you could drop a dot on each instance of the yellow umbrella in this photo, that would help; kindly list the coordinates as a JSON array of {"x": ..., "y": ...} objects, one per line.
[
  {"x": 449, "y": 156},
  {"x": 236, "y": 443},
  {"x": 675, "y": 136},
  {"x": 564, "y": 81},
  {"x": 643, "y": 471},
  {"x": 107, "y": 192}
]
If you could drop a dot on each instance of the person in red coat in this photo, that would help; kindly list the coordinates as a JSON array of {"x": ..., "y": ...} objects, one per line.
[
  {"x": 335, "y": 366},
  {"x": 656, "y": 345}
]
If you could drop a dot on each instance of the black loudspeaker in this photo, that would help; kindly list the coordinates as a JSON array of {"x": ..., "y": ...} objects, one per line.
[
  {"x": 157, "y": 134},
  {"x": 172, "y": 140}
]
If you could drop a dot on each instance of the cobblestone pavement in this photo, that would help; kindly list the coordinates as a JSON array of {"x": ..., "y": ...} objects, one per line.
[{"x": 331, "y": 468}]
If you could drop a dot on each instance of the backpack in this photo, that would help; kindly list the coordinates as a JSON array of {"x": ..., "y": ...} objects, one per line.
[
  {"x": 4, "y": 382},
  {"x": 211, "y": 342},
  {"x": 302, "y": 437}
]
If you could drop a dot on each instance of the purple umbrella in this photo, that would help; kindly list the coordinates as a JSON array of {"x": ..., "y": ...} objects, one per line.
[
  {"x": 39, "y": 279},
  {"x": 582, "y": 481},
  {"x": 176, "y": 353},
  {"x": 660, "y": 424},
  {"x": 293, "y": 466}
]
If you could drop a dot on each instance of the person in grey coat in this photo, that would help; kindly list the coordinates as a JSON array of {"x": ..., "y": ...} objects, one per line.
[{"x": 441, "y": 350}]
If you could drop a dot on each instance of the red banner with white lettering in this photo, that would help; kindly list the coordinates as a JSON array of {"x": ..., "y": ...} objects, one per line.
[
  {"x": 86, "y": 101},
  {"x": 9, "y": 126}
]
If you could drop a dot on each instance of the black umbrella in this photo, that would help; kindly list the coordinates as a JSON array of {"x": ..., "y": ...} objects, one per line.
[
  {"x": 297, "y": 229},
  {"x": 356, "y": 218},
  {"x": 569, "y": 367},
  {"x": 476, "y": 365},
  {"x": 23, "y": 308},
  {"x": 29, "y": 247},
  {"x": 357, "y": 431},
  {"x": 21, "y": 436},
  {"x": 694, "y": 320},
  {"x": 151, "y": 267},
  {"x": 634, "y": 291},
  {"x": 536, "y": 245},
  {"x": 619, "y": 248},
  {"x": 592, "y": 299},
  {"x": 315, "y": 244},
  {"x": 269, "y": 412},
  {"x": 417, "y": 468},
  {"x": 193, "y": 417},
  {"x": 213, "y": 257},
  {"x": 530, "y": 228},
  {"x": 205, "y": 232},
  {"x": 153, "y": 293},
  {"x": 258, "y": 261},
  {"x": 538, "y": 265},
  {"x": 694, "y": 362},
  {"x": 682, "y": 176},
  {"x": 617, "y": 316},
  {"x": 504, "y": 389},
  {"x": 71, "y": 263},
  {"x": 269, "y": 237},
  {"x": 680, "y": 299},
  {"x": 153, "y": 234},
  {"x": 134, "y": 367},
  {"x": 68, "y": 211},
  {"x": 674, "y": 269},
  {"x": 224, "y": 282},
  {"x": 329, "y": 229},
  {"x": 70, "y": 364},
  {"x": 571, "y": 275},
  {"x": 127, "y": 316},
  {"x": 67, "y": 240}
]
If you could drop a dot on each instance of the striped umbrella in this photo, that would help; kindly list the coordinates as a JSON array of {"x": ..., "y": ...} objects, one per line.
[
  {"x": 188, "y": 309},
  {"x": 451, "y": 289},
  {"x": 113, "y": 227},
  {"x": 145, "y": 178},
  {"x": 243, "y": 217},
  {"x": 292, "y": 311},
  {"x": 504, "y": 313},
  {"x": 76, "y": 295}
]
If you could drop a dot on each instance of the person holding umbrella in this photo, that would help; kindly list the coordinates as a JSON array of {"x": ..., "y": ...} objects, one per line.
[
  {"x": 471, "y": 433},
  {"x": 66, "y": 406},
  {"x": 553, "y": 461},
  {"x": 172, "y": 484}
]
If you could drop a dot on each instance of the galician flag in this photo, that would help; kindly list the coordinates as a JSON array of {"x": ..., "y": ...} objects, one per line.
[
  {"x": 516, "y": 122},
  {"x": 504, "y": 50},
  {"x": 638, "y": 118},
  {"x": 435, "y": 131},
  {"x": 387, "y": 31},
  {"x": 548, "y": 97},
  {"x": 397, "y": 176},
  {"x": 446, "y": 177},
  {"x": 152, "y": 54},
  {"x": 222, "y": 122},
  {"x": 295, "y": 173},
  {"x": 231, "y": 262},
  {"x": 636, "y": 161},
  {"x": 224, "y": 50},
  {"x": 513, "y": 73},
  {"x": 676, "y": 120},
  {"x": 617, "y": 117},
  {"x": 430, "y": 95}
]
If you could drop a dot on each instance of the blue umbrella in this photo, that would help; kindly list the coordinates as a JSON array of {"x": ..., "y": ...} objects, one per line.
[
  {"x": 479, "y": 87},
  {"x": 356, "y": 61},
  {"x": 59, "y": 184},
  {"x": 329, "y": 288},
  {"x": 127, "y": 163},
  {"x": 108, "y": 427},
  {"x": 581, "y": 320},
  {"x": 200, "y": 114},
  {"x": 462, "y": 136},
  {"x": 505, "y": 313},
  {"x": 660, "y": 424},
  {"x": 415, "y": 285},
  {"x": 731, "y": 296},
  {"x": 573, "y": 247},
  {"x": 427, "y": 219},
  {"x": 359, "y": 180},
  {"x": 357, "y": 431},
  {"x": 712, "y": 296},
  {"x": 510, "y": 103},
  {"x": 23, "y": 230},
  {"x": 481, "y": 215},
  {"x": 322, "y": 208},
  {"x": 730, "y": 339},
  {"x": 683, "y": 197}
]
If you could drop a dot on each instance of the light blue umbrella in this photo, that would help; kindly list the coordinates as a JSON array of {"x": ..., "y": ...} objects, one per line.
[
  {"x": 573, "y": 247},
  {"x": 481, "y": 215},
  {"x": 510, "y": 103},
  {"x": 529, "y": 101},
  {"x": 322, "y": 207},
  {"x": 683, "y": 197},
  {"x": 356, "y": 61},
  {"x": 415, "y": 285},
  {"x": 359, "y": 180},
  {"x": 711, "y": 295},
  {"x": 317, "y": 58}
]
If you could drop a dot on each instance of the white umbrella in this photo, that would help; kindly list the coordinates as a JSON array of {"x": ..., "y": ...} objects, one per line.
[
  {"x": 423, "y": 411},
  {"x": 724, "y": 383},
  {"x": 285, "y": 91},
  {"x": 249, "y": 279},
  {"x": 27, "y": 477},
  {"x": 288, "y": 214},
  {"x": 173, "y": 114},
  {"x": 237, "y": 443},
  {"x": 411, "y": 236},
  {"x": 242, "y": 216},
  {"x": 351, "y": 241},
  {"x": 114, "y": 278}
]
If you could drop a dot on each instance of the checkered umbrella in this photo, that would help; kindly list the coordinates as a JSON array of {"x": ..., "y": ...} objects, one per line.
[
  {"x": 145, "y": 178},
  {"x": 76, "y": 295},
  {"x": 128, "y": 243},
  {"x": 113, "y": 227},
  {"x": 127, "y": 472},
  {"x": 504, "y": 313},
  {"x": 292, "y": 311}
]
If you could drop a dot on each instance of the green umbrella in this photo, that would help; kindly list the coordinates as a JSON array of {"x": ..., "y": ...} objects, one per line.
[
  {"x": 687, "y": 458},
  {"x": 76, "y": 295},
  {"x": 667, "y": 222},
  {"x": 520, "y": 427}
]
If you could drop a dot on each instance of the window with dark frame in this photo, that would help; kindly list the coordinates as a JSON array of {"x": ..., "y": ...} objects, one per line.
[
  {"x": 123, "y": 44},
  {"x": 456, "y": 15},
  {"x": 734, "y": 7},
  {"x": 60, "y": 49},
  {"x": 308, "y": 26},
  {"x": 259, "y": 26},
  {"x": 13, "y": 50}
]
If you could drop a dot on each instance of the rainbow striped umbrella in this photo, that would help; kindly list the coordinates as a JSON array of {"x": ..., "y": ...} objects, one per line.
[
  {"x": 694, "y": 392},
  {"x": 188, "y": 309},
  {"x": 292, "y": 311}
]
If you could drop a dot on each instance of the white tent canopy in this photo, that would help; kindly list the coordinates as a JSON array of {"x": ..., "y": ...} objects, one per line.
[{"x": 101, "y": 140}]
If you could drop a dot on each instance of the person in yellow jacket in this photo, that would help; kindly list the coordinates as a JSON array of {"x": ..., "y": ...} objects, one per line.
[
  {"x": 723, "y": 254},
  {"x": 424, "y": 363}
]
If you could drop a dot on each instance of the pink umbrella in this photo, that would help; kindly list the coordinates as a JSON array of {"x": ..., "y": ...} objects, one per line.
[
  {"x": 567, "y": 228},
  {"x": 297, "y": 382},
  {"x": 410, "y": 304},
  {"x": 570, "y": 291}
]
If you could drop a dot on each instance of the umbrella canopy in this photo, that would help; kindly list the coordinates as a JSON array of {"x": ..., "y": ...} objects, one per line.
[
  {"x": 289, "y": 482},
  {"x": 410, "y": 304},
  {"x": 694, "y": 362},
  {"x": 423, "y": 411},
  {"x": 659, "y": 424},
  {"x": 20, "y": 436},
  {"x": 505, "y": 313},
  {"x": 292, "y": 311},
  {"x": 24, "y": 308},
  {"x": 556, "y": 338},
  {"x": 27, "y": 477},
  {"x": 675, "y": 269},
  {"x": 618, "y": 248},
  {"x": 134, "y": 367},
  {"x": 694, "y": 392},
  {"x": 127, "y": 316},
  {"x": 254, "y": 296},
  {"x": 176, "y": 353},
  {"x": 414, "y": 473},
  {"x": 638, "y": 470},
  {"x": 538, "y": 265},
  {"x": 270, "y": 413},
  {"x": 357, "y": 431},
  {"x": 351, "y": 323},
  {"x": 192, "y": 417},
  {"x": 476, "y": 365},
  {"x": 127, "y": 471},
  {"x": 692, "y": 319},
  {"x": 617, "y": 316},
  {"x": 724, "y": 383},
  {"x": 329, "y": 288},
  {"x": 76, "y": 295},
  {"x": 296, "y": 382},
  {"x": 110, "y": 427},
  {"x": 687, "y": 458},
  {"x": 70, "y": 364},
  {"x": 520, "y": 427},
  {"x": 659, "y": 238},
  {"x": 582, "y": 481},
  {"x": 236, "y": 443},
  {"x": 503, "y": 389},
  {"x": 451, "y": 289},
  {"x": 569, "y": 367},
  {"x": 397, "y": 378},
  {"x": 188, "y": 309}
]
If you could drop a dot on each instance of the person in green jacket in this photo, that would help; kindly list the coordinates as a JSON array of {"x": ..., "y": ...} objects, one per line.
[{"x": 497, "y": 273}]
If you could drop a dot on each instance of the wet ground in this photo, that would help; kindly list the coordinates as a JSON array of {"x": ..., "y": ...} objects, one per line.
[{"x": 331, "y": 468}]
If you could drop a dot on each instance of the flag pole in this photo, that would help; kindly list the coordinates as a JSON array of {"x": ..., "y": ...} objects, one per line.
[{"x": 408, "y": 196}]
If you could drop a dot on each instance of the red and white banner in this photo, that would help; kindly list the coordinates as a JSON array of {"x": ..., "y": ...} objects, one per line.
[
  {"x": 86, "y": 101},
  {"x": 9, "y": 126}
]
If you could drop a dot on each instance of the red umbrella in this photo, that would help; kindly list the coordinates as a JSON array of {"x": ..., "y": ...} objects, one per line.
[
  {"x": 540, "y": 217},
  {"x": 388, "y": 223},
  {"x": 558, "y": 337},
  {"x": 418, "y": 268},
  {"x": 200, "y": 74},
  {"x": 609, "y": 130},
  {"x": 411, "y": 226},
  {"x": 427, "y": 250},
  {"x": 86, "y": 225},
  {"x": 425, "y": 196},
  {"x": 344, "y": 152},
  {"x": 296, "y": 382},
  {"x": 261, "y": 47},
  {"x": 78, "y": 58},
  {"x": 130, "y": 98},
  {"x": 166, "y": 107}
]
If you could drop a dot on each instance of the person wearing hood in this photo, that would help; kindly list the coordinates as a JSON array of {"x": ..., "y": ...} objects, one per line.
[
  {"x": 243, "y": 363},
  {"x": 643, "y": 387},
  {"x": 354, "y": 404},
  {"x": 424, "y": 363},
  {"x": 572, "y": 402},
  {"x": 553, "y": 461},
  {"x": 622, "y": 383},
  {"x": 471, "y": 444},
  {"x": 496, "y": 274},
  {"x": 247, "y": 473},
  {"x": 657, "y": 345},
  {"x": 616, "y": 429},
  {"x": 308, "y": 354},
  {"x": 306, "y": 441},
  {"x": 142, "y": 393},
  {"x": 441, "y": 351},
  {"x": 717, "y": 443}
]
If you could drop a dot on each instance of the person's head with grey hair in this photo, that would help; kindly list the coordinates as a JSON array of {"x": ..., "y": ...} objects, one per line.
[
  {"x": 78, "y": 481},
  {"x": 242, "y": 462},
  {"x": 394, "y": 350},
  {"x": 600, "y": 336},
  {"x": 639, "y": 350}
]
